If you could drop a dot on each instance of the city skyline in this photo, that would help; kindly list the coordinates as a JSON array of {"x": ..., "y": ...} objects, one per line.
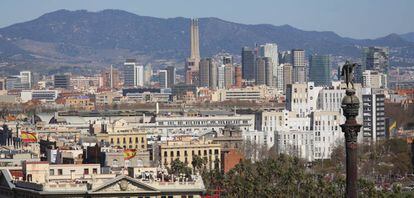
[
  {"x": 114, "y": 104},
  {"x": 343, "y": 18}
]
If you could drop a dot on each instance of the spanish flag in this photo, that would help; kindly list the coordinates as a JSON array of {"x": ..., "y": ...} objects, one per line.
[
  {"x": 28, "y": 136},
  {"x": 129, "y": 153},
  {"x": 393, "y": 126}
]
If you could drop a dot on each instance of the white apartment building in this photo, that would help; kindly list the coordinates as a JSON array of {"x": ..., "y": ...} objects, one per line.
[
  {"x": 302, "y": 98},
  {"x": 374, "y": 79},
  {"x": 311, "y": 111},
  {"x": 296, "y": 143},
  {"x": 284, "y": 121},
  {"x": 327, "y": 132},
  {"x": 250, "y": 93},
  {"x": 85, "y": 82},
  {"x": 261, "y": 138},
  {"x": 148, "y": 97},
  {"x": 26, "y": 79},
  {"x": 273, "y": 120},
  {"x": 373, "y": 114},
  {"x": 330, "y": 99},
  {"x": 42, "y": 95},
  {"x": 170, "y": 125}
]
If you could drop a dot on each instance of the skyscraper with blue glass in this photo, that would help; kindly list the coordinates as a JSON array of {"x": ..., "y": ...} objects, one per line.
[{"x": 320, "y": 70}]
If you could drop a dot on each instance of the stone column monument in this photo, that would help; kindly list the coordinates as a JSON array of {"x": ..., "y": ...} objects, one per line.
[{"x": 350, "y": 106}]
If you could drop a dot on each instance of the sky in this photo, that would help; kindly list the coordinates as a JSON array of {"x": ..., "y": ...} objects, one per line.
[{"x": 349, "y": 18}]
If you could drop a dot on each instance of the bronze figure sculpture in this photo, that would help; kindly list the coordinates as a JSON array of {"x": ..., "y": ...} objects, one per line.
[{"x": 348, "y": 73}]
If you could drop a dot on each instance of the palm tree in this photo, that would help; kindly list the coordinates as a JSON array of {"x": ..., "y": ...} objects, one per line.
[{"x": 197, "y": 163}]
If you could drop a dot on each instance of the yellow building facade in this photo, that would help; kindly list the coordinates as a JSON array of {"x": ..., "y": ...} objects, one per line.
[{"x": 184, "y": 149}]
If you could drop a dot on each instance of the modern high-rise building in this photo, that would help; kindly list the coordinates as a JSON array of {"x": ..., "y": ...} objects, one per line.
[
  {"x": 61, "y": 81},
  {"x": 171, "y": 72},
  {"x": 377, "y": 58},
  {"x": 299, "y": 66},
  {"x": 279, "y": 77},
  {"x": 237, "y": 77},
  {"x": 360, "y": 68},
  {"x": 163, "y": 78},
  {"x": 373, "y": 127},
  {"x": 374, "y": 59},
  {"x": 248, "y": 64},
  {"x": 228, "y": 76},
  {"x": 192, "y": 63},
  {"x": 221, "y": 77},
  {"x": 285, "y": 57},
  {"x": 208, "y": 73},
  {"x": 264, "y": 71},
  {"x": 270, "y": 50},
  {"x": 26, "y": 79},
  {"x": 147, "y": 74},
  {"x": 320, "y": 70},
  {"x": 133, "y": 74},
  {"x": 204, "y": 72},
  {"x": 212, "y": 75},
  {"x": 110, "y": 78},
  {"x": 227, "y": 60},
  {"x": 287, "y": 75}
]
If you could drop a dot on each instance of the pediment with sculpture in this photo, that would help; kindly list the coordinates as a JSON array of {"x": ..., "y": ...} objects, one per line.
[{"x": 124, "y": 184}]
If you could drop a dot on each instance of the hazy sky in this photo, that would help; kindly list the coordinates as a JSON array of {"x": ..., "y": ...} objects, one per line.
[{"x": 351, "y": 18}]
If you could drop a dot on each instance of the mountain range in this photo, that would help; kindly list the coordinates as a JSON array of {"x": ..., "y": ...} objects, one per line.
[{"x": 82, "y": 40}]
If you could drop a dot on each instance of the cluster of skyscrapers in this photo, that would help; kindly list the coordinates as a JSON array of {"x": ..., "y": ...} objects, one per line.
[{"x": 265, "y": 65}]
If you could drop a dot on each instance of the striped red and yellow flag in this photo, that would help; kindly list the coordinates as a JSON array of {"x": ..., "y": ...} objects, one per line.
[
  {"x": 28, "y": 136},
  {"x": 129, "y": 153}
]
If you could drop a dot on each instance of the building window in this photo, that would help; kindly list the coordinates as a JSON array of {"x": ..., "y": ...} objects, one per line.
[
  {"x": 136, "y": 139},
  {"x": 95, "y": 171},
  {"x": 51, "y": 172},
  {"x": 115, "y": 163},
  {"x": 60, "y": 172},
  {"x": 86, "y": 171},
  {"x": 29, "y": 177}
]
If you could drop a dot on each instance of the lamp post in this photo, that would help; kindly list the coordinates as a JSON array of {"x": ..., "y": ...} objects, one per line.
[{"x": 350, "y": 106}]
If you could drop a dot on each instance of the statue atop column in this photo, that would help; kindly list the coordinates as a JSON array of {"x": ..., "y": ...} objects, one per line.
[
  {"x": 348, "y": 73},
  {"x": 351, "y": 128}
]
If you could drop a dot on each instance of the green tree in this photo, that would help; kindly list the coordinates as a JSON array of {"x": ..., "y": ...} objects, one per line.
[
  {"x": 178, "y": 167},
  {"x": 198, "y": 163}
]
